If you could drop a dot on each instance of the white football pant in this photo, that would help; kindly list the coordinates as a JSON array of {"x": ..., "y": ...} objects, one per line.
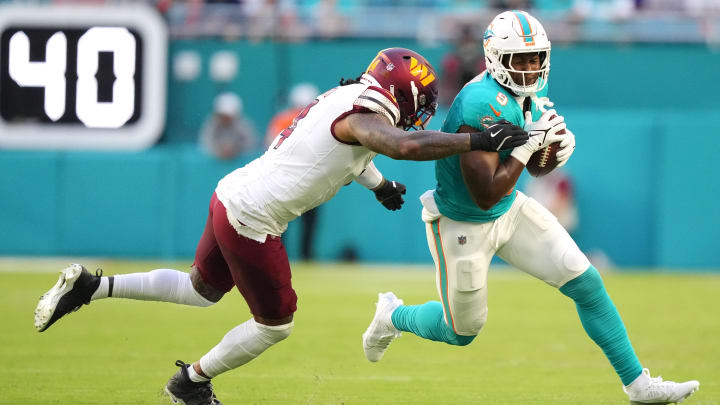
[{"x": 527, "y": 237}]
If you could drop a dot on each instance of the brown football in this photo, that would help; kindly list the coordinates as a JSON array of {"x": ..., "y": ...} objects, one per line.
[{"x": 544, "y": 161}]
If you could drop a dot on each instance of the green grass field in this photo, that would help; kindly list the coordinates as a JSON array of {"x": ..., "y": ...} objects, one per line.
[{"x": 532, "y": 351}]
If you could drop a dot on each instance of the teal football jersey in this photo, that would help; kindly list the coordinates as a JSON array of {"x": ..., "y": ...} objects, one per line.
[{"x": 478, "y": 104}]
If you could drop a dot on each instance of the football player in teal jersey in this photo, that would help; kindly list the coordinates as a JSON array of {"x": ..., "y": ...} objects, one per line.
[{"x": 475, "y": 213}]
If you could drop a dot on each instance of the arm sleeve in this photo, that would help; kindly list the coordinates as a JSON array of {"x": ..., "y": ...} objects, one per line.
[{"x": 370, "y": 177}]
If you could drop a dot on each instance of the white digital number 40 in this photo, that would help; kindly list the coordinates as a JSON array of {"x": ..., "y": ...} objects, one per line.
[{"x": 51, "y": 74}]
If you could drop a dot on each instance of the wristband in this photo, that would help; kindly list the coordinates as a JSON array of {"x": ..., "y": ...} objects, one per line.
[
  {"x": 522, "y": 154},
  {"x": 370, "y": 177},
  {"x": 477, "y": 141}
]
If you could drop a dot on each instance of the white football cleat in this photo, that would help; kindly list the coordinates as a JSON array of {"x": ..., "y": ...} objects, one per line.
[
  {"x": 381, "y": 331},
  {"x": 74, "y": 288},
  {"x": 653, "y": 390}
]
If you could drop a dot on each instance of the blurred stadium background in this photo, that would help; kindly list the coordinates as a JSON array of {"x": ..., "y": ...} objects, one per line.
[{"x": 636, "y": 80}]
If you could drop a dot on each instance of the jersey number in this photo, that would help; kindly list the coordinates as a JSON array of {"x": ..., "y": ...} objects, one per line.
[{"x": 289, "y": 130}]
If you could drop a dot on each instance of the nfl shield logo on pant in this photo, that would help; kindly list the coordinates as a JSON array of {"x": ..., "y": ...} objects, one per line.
[{"x": 462, "y": 239}]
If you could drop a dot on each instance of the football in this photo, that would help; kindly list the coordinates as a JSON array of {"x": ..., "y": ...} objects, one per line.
[{"x": 544, "y": 161}]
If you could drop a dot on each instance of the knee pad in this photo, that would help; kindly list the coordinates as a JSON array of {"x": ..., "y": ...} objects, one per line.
[
  {"x": 186, "y": 293},
  {"x": 274, "y": 334},
  {"x": 471, "y": 325},
  {"x": 469, "y": 297},
  {"x": 574, "y": 259},
  {"x": 242, "y": 344}
]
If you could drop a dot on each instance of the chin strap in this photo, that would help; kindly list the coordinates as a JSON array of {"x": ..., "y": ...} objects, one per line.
[{"x": 415, "y": 93}]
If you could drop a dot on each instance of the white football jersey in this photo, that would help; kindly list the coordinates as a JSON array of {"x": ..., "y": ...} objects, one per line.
[{"x": 305, "y": 165}]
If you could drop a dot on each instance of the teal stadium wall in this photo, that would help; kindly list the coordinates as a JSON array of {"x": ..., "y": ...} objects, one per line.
[{"x": 645, "y": 118}]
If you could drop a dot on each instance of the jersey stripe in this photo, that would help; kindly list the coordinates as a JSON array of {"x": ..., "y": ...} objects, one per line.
[
  {"x": 385, "y": 93},
  {"x": 380, "y": 101},
  {"x": 392, "y": 114}
]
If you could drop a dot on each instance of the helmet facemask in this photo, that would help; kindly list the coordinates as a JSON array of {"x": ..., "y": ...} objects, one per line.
[
  {"x": 425, "y": 112},
  {"x": 500, "y": 65},
  {"x": 424, "y": 107}
]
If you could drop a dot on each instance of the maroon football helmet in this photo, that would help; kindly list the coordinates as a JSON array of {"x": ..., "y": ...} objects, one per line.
[{"x": 411, "y": 80}]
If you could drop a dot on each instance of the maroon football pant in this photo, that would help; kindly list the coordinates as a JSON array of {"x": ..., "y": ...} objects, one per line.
[{"x": 260, "y": 271}]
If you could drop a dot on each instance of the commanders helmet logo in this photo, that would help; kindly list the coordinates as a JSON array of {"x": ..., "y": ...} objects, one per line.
[{"x": 421, "y": 72}]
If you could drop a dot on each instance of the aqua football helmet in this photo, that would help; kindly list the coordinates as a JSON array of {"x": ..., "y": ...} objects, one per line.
[{"x": 515, "y": 32}]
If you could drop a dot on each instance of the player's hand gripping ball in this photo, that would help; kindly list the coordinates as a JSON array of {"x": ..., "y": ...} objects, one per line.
[{"x": 544, "y": 160}]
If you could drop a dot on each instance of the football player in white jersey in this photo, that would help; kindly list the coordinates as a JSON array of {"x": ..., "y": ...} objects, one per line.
[
  {"x": 330, "y": 143},
  {"x": 475, "y": 213}
]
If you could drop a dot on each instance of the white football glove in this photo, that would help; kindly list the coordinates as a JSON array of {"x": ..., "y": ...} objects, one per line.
[
  {"x": 567, "y": 147},
  {"x": 542, "y": 133},
  {"x": 542, "y": 103}
]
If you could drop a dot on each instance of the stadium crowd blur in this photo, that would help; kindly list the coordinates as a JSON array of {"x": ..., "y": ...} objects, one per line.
[
  {"x": 227, "y": 133},
  {"x": 433, "y": 20},
  {"x": 456, "y": 22}
]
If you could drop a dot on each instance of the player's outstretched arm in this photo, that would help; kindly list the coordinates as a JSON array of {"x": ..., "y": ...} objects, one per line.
[{"x": 377, "y": 134}]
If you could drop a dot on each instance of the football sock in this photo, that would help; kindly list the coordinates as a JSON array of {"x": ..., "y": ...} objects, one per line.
[
  {"x": 427, "y": 321},
  {"x": 194, "y": 376},
  {"x": 602, "y": 323},
  {"x": 242, "y": 344},
  {"x": 158, "y": 285},
  {"x": 102, "y": 290}
]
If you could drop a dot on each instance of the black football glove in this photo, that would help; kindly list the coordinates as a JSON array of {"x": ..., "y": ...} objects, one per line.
[
  {"x": 501, "y": 135},
  {"x": 390, "y": 195}
]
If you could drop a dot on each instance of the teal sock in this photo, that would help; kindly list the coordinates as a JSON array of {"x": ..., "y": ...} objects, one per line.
[
  {"x": 427, "y": 321},
  {"x": 602, "y": 323}
]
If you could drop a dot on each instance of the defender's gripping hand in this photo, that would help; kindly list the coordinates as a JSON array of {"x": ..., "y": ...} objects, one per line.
[
  {"x": 567, "y": 147},
  {"x": 499, "y": 136},
  {"x": 548, "y": 129},
  {"x": 389, "y": 193}
]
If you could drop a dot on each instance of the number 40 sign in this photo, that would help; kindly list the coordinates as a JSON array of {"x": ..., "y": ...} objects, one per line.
[
  {"x": 50, "y": 74},
  {"x": 79, "y": 77}
]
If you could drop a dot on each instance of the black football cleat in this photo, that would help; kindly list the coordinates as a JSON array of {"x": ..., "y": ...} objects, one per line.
[
  {"x": 73, "y": 289},
  {"x": 182, "y": 390}
]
